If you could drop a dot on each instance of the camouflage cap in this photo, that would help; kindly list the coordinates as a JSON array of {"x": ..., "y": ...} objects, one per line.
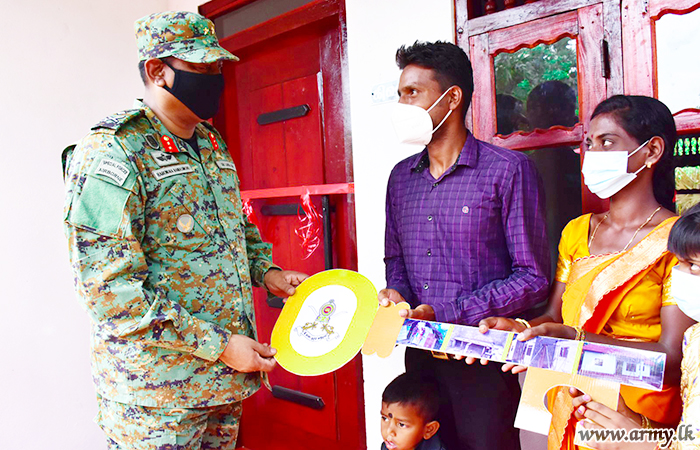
[{"x": 182, "y": 34}]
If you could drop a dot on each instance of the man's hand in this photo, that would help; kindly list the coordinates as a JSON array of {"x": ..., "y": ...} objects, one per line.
[
  {"x": 282, "y": 283},
  {"x": 386, "y": 296},
  {"x": 422, "y": 312},
  {"x": 244, "y": 354},
  {"x": 498, "y": 323}
]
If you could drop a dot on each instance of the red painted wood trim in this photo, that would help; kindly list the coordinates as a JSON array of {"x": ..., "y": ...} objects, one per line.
[
  {"x": 525, "y": 13},
  {"x": 532, "y": 140},
  {"x": 305, "y": 15},
  {"x": 658, "y": 8},
  {"x": 216, "y": 8},
  {"x": 297, "y": 191},
  {"x": 547, "y": 30},
  {"x": 636, "y": 47},
  {"x": 592, "y": 89},
  {"x": 687, "y": 120},
  {"x": 592, "y": 86},
  {"x": 484, "y": 99},
  {"x": 612, "y": 28},
  {"x": 462, "y": 23}
]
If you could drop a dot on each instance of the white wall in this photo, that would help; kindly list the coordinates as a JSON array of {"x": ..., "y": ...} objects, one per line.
[
  {"x": 66, "y": 64},
  {"x": 375, "y": 30}
]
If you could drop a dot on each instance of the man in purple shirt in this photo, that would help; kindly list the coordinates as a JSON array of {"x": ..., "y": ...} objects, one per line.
[{"x": 466, "y": 238}]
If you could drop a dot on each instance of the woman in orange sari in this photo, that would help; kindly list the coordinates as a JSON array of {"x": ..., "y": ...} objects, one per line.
[{"x": 613, "y": 275}]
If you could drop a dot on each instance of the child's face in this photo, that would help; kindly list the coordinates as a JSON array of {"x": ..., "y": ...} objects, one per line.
[
  {"x": 690, "y": 265},
  {"x": 403, "y": 428}
]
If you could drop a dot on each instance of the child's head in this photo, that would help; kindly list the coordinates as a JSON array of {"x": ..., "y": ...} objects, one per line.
[
  {"x": 684, "y": 242},
  {"x": 410, "y": 406}
]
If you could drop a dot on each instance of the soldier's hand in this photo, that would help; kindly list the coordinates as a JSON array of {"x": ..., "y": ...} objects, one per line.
[
  {"x": 386, "y": 296},
  {"x": 244, "y": 354},
  {"x": 282, "y": 283}
]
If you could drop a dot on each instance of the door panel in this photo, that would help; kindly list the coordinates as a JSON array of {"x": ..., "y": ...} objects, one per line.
[
  {"x": 289, "y": 69},
  {"x": 303, "y": 138},
  {"x": 266, "y": 150}
]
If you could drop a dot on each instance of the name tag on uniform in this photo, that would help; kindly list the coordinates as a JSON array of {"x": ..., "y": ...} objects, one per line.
[
  {"x": 113, "y": 170},
  {"x": 164, "y": 159},
  {"x": 223, "y": 164},
  {"x": 170, "y": 171}
]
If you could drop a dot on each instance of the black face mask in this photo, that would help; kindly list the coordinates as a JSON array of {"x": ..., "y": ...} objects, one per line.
[{"x": 200, "y": 92}]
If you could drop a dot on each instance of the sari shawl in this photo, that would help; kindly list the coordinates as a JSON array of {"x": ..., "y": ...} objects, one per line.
[{"x": 595, "y": 287}]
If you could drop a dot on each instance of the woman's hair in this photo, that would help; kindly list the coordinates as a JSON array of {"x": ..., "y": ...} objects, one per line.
[
  {"x": 643, "y": 118},
  {"x": 684, "y": 239}
]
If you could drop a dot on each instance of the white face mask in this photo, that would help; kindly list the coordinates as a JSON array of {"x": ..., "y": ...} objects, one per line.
[
  {"x": 685, "y": 289},
  {"x": 413, "y": 124},
  {"x": 605, "y": 173}
]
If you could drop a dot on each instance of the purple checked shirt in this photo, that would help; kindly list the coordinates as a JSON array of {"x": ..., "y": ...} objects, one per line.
[{"x": 473, "y": 243}]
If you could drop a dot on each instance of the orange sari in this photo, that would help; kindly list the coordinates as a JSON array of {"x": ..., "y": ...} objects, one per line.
[{"x": 618, "y": 295}]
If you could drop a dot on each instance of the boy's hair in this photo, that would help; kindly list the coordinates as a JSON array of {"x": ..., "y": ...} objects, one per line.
[
  {"x": 419, "y": 391},
  {"x": 684, "y": 239},
  {"x": 449, "y": 63}
]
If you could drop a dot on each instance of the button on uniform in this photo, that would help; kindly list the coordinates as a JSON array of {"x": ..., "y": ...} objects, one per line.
[{"x": 425, "y": 286}]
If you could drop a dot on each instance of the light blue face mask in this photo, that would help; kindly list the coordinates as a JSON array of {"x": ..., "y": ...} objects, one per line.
[
  {"x": 605, "y": 173},
  {"x": 685, "y": 289}
]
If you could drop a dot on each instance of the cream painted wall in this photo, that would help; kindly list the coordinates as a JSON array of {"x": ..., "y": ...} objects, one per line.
[
  {"x": 66, "y": 64},
  {"x": 375, "y": 30}
]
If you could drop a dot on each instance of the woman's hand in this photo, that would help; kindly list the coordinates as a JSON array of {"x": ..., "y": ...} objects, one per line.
[
  {"x": 550, "y": 329},
  {"x": 581, "y": 400},
  {"x": 601, "y": 417}
]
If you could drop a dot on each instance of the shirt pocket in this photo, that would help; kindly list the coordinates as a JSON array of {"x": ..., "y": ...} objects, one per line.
[
  {"x": 180, "y": 223},
  {"x": 470, "y": 221},
  {"x": 230, "y": 211}
]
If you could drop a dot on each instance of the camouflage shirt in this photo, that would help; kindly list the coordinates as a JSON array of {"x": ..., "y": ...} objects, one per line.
[{"x": 163, "y": 259}]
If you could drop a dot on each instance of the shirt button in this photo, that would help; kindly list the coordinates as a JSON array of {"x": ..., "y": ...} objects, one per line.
[
  {"x": 430, "y": 218},
  {"x": 429, "y": 252},
  {"x": 425, "y": 286},
  {"x": 435, "y": 185}
]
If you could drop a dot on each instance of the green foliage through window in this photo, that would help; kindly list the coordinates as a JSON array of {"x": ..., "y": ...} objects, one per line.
[{"x": 519, "y": 72}]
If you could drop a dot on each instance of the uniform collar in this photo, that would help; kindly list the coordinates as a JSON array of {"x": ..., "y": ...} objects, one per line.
[
  {"x": 202, "y": 133},
  {"x": 468, "y": 156}
]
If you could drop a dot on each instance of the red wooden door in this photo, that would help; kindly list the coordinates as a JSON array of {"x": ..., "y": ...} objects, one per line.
[{"x": 279, "y": 70}]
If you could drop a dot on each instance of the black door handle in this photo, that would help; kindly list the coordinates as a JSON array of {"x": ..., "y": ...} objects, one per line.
[
  {"x": 274, "y": 301},
  {"x": 301, "y": 398}
]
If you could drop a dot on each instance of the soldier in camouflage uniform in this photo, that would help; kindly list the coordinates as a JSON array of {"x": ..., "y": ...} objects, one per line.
[{"x": 163, "y": 257}]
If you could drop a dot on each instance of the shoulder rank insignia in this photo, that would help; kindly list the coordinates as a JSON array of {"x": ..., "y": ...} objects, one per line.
[
  {"x": 115, "y": 121},
  {"x": 214, "y": 143}
]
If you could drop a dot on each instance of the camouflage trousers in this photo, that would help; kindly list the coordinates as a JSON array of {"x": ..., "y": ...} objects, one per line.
[{"x": 134, "y": 427}]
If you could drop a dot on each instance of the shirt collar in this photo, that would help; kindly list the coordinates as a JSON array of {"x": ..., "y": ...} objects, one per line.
[
  {"x": 433, "y": 443},
  {"x": 200, "y": 131},
  {"x": 468, "y": 156}
]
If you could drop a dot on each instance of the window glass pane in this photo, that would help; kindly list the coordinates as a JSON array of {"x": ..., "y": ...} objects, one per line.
[
  {"x": 252, "y": 14},
  {"x": 686, "y": 158},
  {"x": 677, "y": 39},
  {"x": 537, "y": 87},
  {"x": 561, "y": 174}
]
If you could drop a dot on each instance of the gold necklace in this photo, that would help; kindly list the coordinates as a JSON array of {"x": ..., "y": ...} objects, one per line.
[{"x": 590, "y": 241}]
